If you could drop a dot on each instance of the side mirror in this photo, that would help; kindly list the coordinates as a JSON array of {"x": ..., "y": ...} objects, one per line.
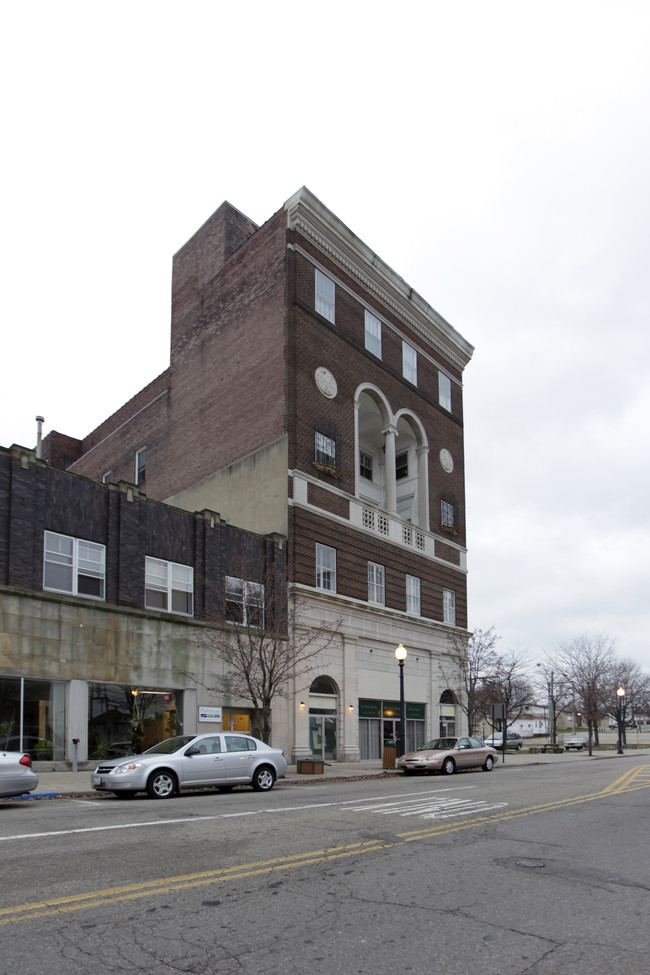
[{"x": 192, "y": 750}]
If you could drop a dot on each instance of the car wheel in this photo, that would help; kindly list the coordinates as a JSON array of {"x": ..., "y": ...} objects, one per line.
[
  {"x": 518, "y": 745},
  {"x": 488, "y": 764},
  {"x": 263, "y": 779},
  {"x": 448, "y": 767},
  {"x": 161, "y": 785}
]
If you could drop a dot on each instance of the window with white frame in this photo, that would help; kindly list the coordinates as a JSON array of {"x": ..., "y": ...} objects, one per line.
[
  {"x": 244, "y": 602},
  {"x": 140, "y": 465},
  {"x": 444, "y": 391},
  {"x": 325, "y": 296},
  {"x": 74, "y": 565},
  {"x": 413, "y": 595},
  {"x": 447, "y": 514},
  {"x": 168, "y": 586},
  {"x": 409, "y": 363},
  {"x": 449, "y": 606},
  {"x": 324, "y": 449},
  {"x": 373, "y": 334},
  {"x": 106, "y": 478},
  {"x": 365, "y": 465},
  {"x": 325, "y": 567},
  {"x": 401, "y": 465},
  {"x": 376, "y": 584}
]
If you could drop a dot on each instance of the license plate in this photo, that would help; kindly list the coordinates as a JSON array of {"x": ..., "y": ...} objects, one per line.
[
  {"x": 410, "y": 766},
  {"x": 97, "y": 780}
]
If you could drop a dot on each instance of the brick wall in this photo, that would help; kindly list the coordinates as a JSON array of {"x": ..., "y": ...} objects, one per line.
[{"x": 35, "y": 497}]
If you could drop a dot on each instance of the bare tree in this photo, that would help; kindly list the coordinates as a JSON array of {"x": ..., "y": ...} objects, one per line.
[
  {"x": 470, "y": 662},
  {"x": 586, "y": 663},
  {"x": 261, "y": 647},
  {"x": 558, "y": 693},
  {"x": 627, "y": 674},
  {"x": 509, "y": 685}
]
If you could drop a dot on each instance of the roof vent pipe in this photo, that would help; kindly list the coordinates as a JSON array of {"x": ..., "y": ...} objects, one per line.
[{"x": 39, "y": 436}]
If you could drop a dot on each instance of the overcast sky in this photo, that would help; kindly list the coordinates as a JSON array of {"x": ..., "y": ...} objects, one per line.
[{"x": 495, "y": 155}]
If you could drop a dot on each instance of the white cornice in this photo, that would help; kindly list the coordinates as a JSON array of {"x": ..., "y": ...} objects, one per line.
[{"x": 307, "y": 215}]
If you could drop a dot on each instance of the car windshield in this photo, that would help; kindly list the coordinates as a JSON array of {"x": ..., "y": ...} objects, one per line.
[
  {"x": 170, "y": 745},
  {"x": 438, "y": 745}
]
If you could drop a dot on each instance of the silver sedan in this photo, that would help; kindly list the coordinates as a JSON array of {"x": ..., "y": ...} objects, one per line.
[
  {"x": 223, "y": 759},
  {"x": 17, "y": 777}
]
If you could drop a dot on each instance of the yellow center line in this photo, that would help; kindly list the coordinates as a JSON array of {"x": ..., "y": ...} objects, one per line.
[{"x": 633, "y": 779}]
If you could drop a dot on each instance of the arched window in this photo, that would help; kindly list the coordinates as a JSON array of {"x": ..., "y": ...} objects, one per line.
[{"x": 323, "y": 685}]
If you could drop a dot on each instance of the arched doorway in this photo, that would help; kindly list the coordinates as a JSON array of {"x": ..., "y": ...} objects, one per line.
[
  {"x": 447, "y": 714},
  {"x": 323, "y": 711}
]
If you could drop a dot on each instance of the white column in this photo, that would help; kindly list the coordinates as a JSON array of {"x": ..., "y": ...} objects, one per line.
[
  {"x": 423, "y": 487},
  {"x": 390, "y": 433}
]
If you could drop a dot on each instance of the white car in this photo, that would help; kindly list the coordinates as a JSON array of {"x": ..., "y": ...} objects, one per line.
[
  {"x": 222, "y": 759},
  {"x": 17, "y": 776},
  {"x": 576, "y": 741}
]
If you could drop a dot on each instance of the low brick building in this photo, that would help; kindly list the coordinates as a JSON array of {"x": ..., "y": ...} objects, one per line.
[
  {"x": 313, "y": 393},
  {"x": 108, "y": 604}
]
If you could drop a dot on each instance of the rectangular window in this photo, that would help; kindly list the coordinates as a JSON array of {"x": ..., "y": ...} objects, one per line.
[
  {"x": 74, "y": 565},
  {"x": 373, "y": 334},
  {"x": 325, "y": 567},
  {"x": 413, "y": 595},
  {"x": 447, "y": 514},
  {"x": 409, "y": 363},
  {"x": 244, "y": 602},
  {"x": 444, "y": 391},
  {"x": 449, "y": 606},
  {"x": 324, "y": 449},
  {"x": 168, "y": 586},
  {"x": 401, "y": 465},
  {"x": 365, "y": 465},
  {"x": 140, "y": 465},
  {"x": 376, "y": 586},
  {"x": 106, "y": 478},
  {"x": 325, "y": 296}
]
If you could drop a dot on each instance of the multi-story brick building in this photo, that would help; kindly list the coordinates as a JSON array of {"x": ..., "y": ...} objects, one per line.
[{"x": 311, "y": 392}]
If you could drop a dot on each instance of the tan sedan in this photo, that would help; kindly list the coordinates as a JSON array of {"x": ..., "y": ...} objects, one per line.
[{"x": 445, "y": 755}]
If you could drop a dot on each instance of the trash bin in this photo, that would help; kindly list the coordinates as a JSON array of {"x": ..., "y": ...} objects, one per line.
[{"x": 390, "y": 754}]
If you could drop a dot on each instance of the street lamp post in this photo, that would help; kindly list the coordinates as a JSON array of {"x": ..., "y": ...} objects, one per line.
[
  {"x": 400, "y": 653},
  {"x": 620, "y": 693}
]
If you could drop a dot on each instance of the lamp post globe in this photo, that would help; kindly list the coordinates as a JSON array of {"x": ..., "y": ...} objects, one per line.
[
  {"x": 400, "y": 654},
  {"x": 620, "y": 693}
]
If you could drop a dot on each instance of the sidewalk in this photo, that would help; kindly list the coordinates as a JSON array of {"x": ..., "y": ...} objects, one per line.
[{"x": 52, "y": 784}]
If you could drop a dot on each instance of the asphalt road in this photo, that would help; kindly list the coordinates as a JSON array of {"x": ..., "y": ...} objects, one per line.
[{"x": 534, "y": 870}]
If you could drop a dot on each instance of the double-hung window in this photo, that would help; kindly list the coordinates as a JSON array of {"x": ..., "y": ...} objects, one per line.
[
  {"x": 324, "y": 449},
  {"x": 401, "y": 465},
  {"x": 74, "y": 565},
  {"x": 325, "y": 296},
  {"x": 449, "y": 606},
  {"x": 168, "y": 586},
  {"x": 444, "y": 391},
  {"x": 365, "y": 465},
  {"x": 447, "y": 514},
  {"x": 244, "y": 602},
  {"x": 409, "y": 363},
  {"x": 325, "y": 567},
  {"x": 413, "y": 595},
  {"x": 373, "y": 334},
  {"x": 376, "y": 584}
]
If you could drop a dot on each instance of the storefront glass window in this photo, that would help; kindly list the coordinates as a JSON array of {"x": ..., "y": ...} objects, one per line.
[
  {"x": 123, "y": 719},
  {"x": 32, "y": 717}
]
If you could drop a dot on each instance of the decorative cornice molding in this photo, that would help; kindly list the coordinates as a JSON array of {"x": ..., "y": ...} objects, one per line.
[{"x": 307, "y": 215}]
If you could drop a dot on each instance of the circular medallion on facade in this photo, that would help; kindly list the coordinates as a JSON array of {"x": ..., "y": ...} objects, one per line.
[
  {"x": 446, "y": 460},
  {"x": 326, "y": 382}
]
